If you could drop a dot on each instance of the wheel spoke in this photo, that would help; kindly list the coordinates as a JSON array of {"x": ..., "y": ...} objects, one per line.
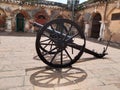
[
  {"x": 47, "y": 44},
  {"x": 54, "y": 57},
  {"x": 52, "y": 28},
  {"x": 45, "y": 40},
  {"x": 51, "y": 46},
  {"x": 70, "y": 28},
  {"x": 57, "y": 27},
  {"x": 60, "y": 27},
  {"x": 72, "y": 37},
  {"x": 68, "y": 54},
  {"x": 61, "y": 57},
  {"x": 68, "y": 32},
  {"x": 49, "y": 51},
  {"x": 48, "y": 37}
]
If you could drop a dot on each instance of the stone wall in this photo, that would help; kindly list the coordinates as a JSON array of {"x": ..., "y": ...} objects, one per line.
[
  {"x": 86, "y": 16},
  {"x": 112, "y": 27}
]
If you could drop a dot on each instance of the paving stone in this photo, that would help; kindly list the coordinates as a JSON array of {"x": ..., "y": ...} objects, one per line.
[
  {"x": 12, "y": 73},
  {"x": 11, "y": 82},
  {"x": 3, "y": 61},
  {"x": 26, "y": 66},
  {"x": 22, "y": 88},
  {"x": 27, "y": 81},
  {"x": 69, "y": 87},
  {"x": 1, "y": 67},
  {"x": 110, "y": 79},
  {"x": 117, "y": 85},
  {"x": 8, "y": 68},
  {"x": 42, "y": 88},
  {"x": 104, "y": 72},
  {"x": 116, "y": 66},
  {"x": 90, "y": 82},
  {"x": 106, "y": 87}
]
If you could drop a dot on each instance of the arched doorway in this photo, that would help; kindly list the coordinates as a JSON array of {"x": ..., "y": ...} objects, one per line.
[
  {"x": 96, "y": 25},
  {"x": 20, "y": 21},
  {"x": 41, "y": 19}
]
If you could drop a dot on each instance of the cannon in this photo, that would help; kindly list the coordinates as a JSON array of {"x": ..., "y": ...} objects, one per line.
[{"x": 61, "y": 42}]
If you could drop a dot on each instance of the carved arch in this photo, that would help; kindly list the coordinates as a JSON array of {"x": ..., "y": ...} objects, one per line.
[
  {"x": 41, "y": 17},
  {"x": 25, "y": 14},
  {"x": 2, "y": 12},
  {"x": 2, "y": 19},
  {"x": 110, "y": 12}
]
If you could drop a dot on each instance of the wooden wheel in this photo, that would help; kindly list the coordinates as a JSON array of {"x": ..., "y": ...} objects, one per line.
[{"x": 56, "y": 43}]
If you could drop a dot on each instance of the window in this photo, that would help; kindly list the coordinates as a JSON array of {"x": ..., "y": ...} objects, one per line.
[{"x": 115, "y": 16}]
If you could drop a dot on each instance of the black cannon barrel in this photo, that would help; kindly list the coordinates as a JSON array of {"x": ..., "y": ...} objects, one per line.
[{"x": 51, "y": 31}]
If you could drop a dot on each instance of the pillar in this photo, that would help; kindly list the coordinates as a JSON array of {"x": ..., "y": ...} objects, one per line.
[{"x": 9, "y": 24}]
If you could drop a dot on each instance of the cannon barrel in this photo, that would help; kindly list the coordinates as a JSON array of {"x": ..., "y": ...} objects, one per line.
[{"x": 52, "y": 32}]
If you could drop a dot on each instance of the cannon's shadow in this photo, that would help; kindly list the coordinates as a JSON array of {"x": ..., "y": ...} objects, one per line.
[
  {"x": 80, "y": 60},
  {"x": 90, "y": 59},
  {"x": 51, "y": 77}
]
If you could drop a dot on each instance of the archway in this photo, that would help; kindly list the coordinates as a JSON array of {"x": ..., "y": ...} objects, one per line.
[
  {"x": 40, "y": 19},
  {"x": 2, "y": 23},
  {"x": 96, "y": 25},
  {"x": 20, "y": 21},
  {"x": 2, "y": 19}
]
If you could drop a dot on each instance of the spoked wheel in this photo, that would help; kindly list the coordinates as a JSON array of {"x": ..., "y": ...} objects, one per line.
[{"x": 60, "y": 43}]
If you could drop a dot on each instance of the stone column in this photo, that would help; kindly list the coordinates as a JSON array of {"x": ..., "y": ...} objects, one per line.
[
  {"x": 102, "y": 29},
  {"x": 9, "y": 24},
  {"x": 87, "y": 27}
]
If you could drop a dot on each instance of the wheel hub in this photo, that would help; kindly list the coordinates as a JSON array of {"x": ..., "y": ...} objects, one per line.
[{"x": 61, "y": 44}]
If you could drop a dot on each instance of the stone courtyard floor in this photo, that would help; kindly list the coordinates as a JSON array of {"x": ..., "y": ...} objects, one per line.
[{"x": 19, "y": 70}]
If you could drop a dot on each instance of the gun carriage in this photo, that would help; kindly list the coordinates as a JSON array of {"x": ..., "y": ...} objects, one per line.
[{"x": 61, "y": 42}]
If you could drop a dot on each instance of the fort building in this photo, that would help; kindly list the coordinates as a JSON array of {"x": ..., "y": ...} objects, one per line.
[{"x": 101, "y": 20}]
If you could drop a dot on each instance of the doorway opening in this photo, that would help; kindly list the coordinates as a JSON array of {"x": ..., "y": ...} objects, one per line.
[
  {"x": 96, "y": 26},
  {"x": 20, "y": 22}
]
